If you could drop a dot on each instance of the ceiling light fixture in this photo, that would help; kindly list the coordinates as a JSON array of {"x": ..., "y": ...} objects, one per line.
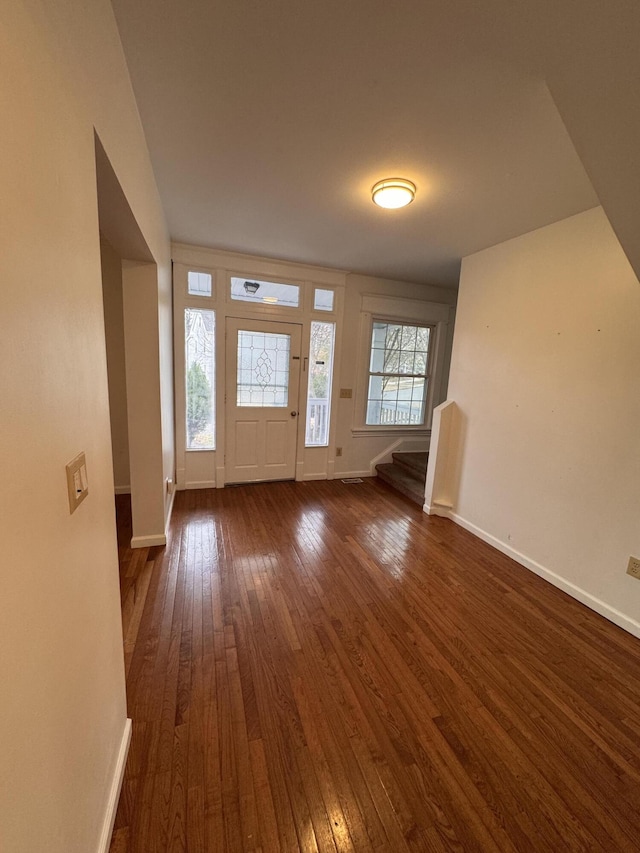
[
  {"x": 251, "y": 287},
  {"x": 272, "y": 299},
  {"x": 393, "y": 192}
]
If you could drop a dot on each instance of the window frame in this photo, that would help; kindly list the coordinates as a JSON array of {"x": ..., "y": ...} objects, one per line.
[
  {"x": 427, "y": 375},
  {"x": 331, "y": 371},
  {"x": 204, "y": 297},
  {"x": 325, "y": 312},
  {"x": 199, "y": 300},
  {"x": 408, "y": 311},
  {"x": 258, "y": 308},
  {"x": 214, "y": 385}
]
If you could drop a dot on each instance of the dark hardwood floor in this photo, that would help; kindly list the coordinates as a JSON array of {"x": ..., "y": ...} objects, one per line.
[{"x": 322, "y": 667}]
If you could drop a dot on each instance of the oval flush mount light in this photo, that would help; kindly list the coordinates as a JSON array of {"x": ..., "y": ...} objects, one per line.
[{"x": 393, "y": 192}]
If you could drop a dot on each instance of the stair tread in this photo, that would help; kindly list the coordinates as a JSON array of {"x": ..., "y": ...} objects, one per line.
[
  {"x": 412, "y": 462},
  {"x": 402, "y": 481}
]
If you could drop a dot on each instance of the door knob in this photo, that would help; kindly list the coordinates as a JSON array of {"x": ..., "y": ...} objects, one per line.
[{"x": 293, "y": 414}]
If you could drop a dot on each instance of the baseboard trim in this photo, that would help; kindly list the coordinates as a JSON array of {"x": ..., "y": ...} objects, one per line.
[
  {"x": 148, "y": 541},
  {"x": 309, "y": 477},
  {"x": 620, "y": 619},
  {"x": 167, "y": 522},
  {"x": 114, "y": 792},
  {"x": 122, "y": 490},
  {"x": 443, "y": 510}
]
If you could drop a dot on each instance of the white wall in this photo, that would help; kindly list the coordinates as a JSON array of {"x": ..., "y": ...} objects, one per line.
[
  {"x": 144, "y": 403},
  {"x": 114, "y": 339},
  {"x": 545, "y": 374},
  {"x": 359, "y": 451},
  {"x": 63, "y": 712},
  {"x": 591, "y": 65}
]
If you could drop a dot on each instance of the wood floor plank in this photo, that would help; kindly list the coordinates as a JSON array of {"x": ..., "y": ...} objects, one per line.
[{"x": 322, "y": 667}]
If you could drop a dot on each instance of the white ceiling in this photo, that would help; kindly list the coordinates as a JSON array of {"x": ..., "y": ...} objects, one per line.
[{"x": 268, "y": 123}]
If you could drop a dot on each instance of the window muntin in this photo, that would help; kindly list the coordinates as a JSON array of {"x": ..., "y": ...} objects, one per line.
[
  {"x": 323, "y": 300},
  {"x": 319, "y": 387},
  {"x": 397, "y": 374},
  {"x": 199, "y": 283},
  {"x": 199, "y": 335},
  {"x": 263, "y": 369},
  {"x": 265, "y": 292}
]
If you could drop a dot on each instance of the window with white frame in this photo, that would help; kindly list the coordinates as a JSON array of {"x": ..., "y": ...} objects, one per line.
[
  {"x": 199, "y": 342},
  {"x": 323, "y": 299},
  {"x": 398, "y": 374},
  {"x": 199, "y": 283},
  {"x": 265, "y": 293},
  {"x": 319, "y": 388}
]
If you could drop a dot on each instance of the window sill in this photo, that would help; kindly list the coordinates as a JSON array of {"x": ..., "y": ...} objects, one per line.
[{"x": 385, "y": 431}]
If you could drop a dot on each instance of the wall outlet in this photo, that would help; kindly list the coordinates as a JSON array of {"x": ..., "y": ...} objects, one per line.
[
  {"x": 338, "y": 451},
  {"x": 633, "y": 568}
]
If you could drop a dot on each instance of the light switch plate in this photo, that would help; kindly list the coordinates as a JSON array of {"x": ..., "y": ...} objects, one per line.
[
  {"x": 77, "y": 482},
  {"x": 346, "y": 393}
]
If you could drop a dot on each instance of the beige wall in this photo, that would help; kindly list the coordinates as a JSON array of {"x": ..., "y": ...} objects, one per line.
[
  {"x": 144, "y": 401},
  {"x": 359, "y": 452},
  {"x": 114, "y": 337},
  {"x": 62, "y": 715},
  {"x": 545, "y": 374}
]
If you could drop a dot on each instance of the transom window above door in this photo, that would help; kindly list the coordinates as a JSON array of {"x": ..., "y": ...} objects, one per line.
[{"x": 265, "y": 292}]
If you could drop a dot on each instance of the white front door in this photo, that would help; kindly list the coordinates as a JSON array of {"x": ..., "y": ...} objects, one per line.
[{"x": 262, "y": 385}]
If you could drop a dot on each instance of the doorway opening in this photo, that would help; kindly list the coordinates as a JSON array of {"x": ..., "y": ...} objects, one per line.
[{"x": 130, "y": 298}]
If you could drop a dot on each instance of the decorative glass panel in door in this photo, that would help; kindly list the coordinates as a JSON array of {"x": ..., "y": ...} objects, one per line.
[{"x": 263, "y": 369}]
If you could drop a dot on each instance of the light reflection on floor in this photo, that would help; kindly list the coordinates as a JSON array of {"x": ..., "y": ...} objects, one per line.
[{"x": 390, "y": 541}]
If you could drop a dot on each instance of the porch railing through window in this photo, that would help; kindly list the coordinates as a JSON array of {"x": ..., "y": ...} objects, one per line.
[
  {"x": 399, "y": 413},
  {"x": 317, "y": 421}
]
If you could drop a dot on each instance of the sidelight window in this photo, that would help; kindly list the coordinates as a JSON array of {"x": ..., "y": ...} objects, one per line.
[
  {"x": 199, "y": 335},
  {"x": 319, "y": 388}
]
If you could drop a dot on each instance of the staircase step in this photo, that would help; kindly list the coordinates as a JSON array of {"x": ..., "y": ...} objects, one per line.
[
  {"x": 402, "y": 481},
  {"x": 412, "y": 463}
]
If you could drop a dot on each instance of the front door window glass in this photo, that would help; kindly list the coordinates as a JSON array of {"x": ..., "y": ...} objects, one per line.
[{"x": 263, "y": 369}]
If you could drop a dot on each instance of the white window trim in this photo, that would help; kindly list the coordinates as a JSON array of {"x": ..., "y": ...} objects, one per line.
[
  {"x": 412, "y": 312},
  {"x": 329, "y": 321},
  {"x": 426, "y": 375},
  {"x": 325, "y": 312},
  {"x": 210, "y": 307},
  {"x": 192, "y": 300},
  {"x": 182, "y": 300}
]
